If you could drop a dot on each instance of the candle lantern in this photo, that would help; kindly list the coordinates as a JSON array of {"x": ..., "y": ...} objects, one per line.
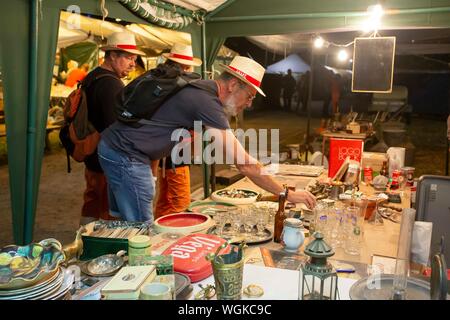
[{"x": 318, "y": 279}]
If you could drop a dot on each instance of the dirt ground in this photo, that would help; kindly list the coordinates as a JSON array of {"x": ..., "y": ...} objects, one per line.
[{"x": 60, "y": 193}]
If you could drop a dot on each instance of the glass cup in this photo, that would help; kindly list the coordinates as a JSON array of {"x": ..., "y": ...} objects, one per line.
[
  {"x": 261, "y": 221},
  {"x": 353, "y": 230},
  {"x": 235, "y": 216},
  {"x": 248, "y": 220},
  {"x": 221, "y": 219}
]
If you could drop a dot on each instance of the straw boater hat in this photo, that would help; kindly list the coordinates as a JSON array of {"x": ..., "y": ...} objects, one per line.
[
  {"x": 247, "y": 70},
  {"x": 182, "y": 54},
  {"x": 122, "y": 41}
]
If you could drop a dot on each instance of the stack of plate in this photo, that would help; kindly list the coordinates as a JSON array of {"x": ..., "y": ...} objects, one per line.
[{"x": 53, "y": 288}]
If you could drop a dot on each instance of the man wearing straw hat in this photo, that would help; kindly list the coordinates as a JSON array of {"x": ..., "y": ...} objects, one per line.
[
  {"x": 102, "y": 85},
  {"x": 125, "y": 152},
  {"x": 174, "y": 180}
]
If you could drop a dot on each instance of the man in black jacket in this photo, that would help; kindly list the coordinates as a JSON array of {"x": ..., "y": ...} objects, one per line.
[{"x": 120, "y": 59}]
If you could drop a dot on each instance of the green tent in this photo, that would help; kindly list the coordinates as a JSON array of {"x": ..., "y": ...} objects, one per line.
[{"x": 28, "y": 35}]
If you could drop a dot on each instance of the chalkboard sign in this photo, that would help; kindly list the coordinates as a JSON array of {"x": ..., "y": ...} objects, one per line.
[{"x": 373, "y": 64}]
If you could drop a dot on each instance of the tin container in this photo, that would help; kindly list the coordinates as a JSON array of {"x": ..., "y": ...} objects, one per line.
[
  {"x": 395, "y": 179},
  {"x": 408, "y": 174},
  {"x": 138, "y": 248},
  {"x": 228, "y": 272},
  {"x": 189, "y": 254},
  {"x": 368, "y": 175}
]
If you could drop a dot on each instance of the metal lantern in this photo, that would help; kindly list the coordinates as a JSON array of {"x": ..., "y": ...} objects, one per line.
[{"x": 319, "y": 278}]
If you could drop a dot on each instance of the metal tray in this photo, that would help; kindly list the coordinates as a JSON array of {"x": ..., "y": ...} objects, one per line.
[
  {"x": 210, "y": 207},
  {"x": 249, "y": 239},
  {"x": 416, "y": 289}
]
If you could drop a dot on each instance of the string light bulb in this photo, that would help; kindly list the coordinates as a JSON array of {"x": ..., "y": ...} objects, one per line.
[
  {"x": 319, "y": 42},
  {"x": 342, "y": 55},
  {"x": 373, "y": 22}
]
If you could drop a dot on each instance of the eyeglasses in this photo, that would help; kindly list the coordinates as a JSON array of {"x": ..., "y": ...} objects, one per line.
[{"x": 250, "y": 96}]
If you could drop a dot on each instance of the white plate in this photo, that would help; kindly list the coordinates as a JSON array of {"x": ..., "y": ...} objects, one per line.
[
  {"x": 64, "y": 288},
  {"x": 32, "y": 288},
  {"x": 36, "y": 294}
]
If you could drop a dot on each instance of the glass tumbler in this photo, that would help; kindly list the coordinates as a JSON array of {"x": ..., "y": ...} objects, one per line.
[{"x": 353, "y": 230}]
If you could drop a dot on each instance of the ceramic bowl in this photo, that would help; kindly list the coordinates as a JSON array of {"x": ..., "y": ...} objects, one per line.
[{"x": 23, "y": 266}]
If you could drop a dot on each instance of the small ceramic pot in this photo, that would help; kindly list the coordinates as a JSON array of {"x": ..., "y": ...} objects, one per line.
[{"x": 292, "y": 235}]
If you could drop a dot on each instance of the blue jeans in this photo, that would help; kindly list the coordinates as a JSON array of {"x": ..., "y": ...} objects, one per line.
[{"x": 130, "y": 185}]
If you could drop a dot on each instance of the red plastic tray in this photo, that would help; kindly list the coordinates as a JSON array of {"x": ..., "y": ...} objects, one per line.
[
  {"x": 182, "y": 220},
  {"x": 189, "y": 254}
]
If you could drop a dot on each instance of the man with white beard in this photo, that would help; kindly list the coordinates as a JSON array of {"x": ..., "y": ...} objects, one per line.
[{"x": 126, "y": 152}]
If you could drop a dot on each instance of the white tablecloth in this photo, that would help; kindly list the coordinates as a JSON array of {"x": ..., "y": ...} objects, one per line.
[{"x": 278, "y": 284}]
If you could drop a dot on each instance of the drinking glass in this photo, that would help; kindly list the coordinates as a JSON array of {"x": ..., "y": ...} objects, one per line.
[
  {"x": 249, "y": 221},
  {"x": 236, "y": 220},
  {"x": 261, "y": 221},
  {"x": 353, "y": 230},
  {"x": 220, "y": 219}
]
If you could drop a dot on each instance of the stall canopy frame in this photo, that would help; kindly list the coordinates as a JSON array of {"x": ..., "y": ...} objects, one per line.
[{"x": 28, "y": 44}]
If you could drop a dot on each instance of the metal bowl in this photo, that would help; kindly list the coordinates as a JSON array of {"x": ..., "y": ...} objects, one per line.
[{"x": 103, "y": 266}]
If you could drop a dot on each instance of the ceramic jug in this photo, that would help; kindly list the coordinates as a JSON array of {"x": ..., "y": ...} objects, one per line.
[{"x": 292, "y": 235}]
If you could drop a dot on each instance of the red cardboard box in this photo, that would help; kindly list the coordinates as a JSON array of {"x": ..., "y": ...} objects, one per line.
[{"x": 340, "y": 149}]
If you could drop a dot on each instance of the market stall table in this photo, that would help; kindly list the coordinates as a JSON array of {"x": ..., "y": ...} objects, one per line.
[{"x": 379, "y": 240}]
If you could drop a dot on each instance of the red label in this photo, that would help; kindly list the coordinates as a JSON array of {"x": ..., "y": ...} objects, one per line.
[
  {"x": 340, "y": 149},
  {"x": 189, "y": 254}
]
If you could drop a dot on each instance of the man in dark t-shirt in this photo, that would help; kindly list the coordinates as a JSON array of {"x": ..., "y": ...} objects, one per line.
[
  {"x": 174, "y": 180},
  {"x": 125, "y": 152},
  {"x": 104, "y": 84}
]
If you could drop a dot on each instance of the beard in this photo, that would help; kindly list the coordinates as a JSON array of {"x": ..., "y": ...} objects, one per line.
[{"x": 230, "y": 106}]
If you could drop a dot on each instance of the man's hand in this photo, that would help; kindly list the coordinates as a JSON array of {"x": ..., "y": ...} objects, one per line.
[{"x": 302, "y": 196}]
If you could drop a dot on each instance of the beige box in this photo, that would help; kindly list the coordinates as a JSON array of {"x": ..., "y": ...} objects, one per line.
[
  {"x": 126, "y": 284},
  {"x": 373, "y": 160}
]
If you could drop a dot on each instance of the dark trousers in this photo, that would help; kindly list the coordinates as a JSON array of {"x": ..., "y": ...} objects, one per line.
[{"x": 287, "y": 99}]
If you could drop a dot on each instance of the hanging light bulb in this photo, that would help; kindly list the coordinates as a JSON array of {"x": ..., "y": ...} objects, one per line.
[
  {"x": 373, "y": 22},
  {"x": 318, "y": 42},
  {"x": 342, "y": 55}
]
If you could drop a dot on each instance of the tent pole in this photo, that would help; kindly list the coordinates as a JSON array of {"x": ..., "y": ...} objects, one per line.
[
  {"x": 308, "y": 122},
  {"x": 206, "y": 174},
  {"x": 31, "y": 130}
]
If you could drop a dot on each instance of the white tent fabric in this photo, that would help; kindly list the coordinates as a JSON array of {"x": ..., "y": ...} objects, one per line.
[
  {"x": 74, "y": 28},
  {"x": 293, "y": 62},
  {"x": 208, "y": 5},
  {"x": 67, "y": 37}
]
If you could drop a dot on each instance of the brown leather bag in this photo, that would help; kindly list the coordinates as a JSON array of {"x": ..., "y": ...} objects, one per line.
[{"x": 78, "y": 135}]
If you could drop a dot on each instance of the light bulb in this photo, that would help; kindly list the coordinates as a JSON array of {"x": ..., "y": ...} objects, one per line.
[
  {"x": 318, "y": 42},
  {"x": 342, "y": 55},
  {"x": 373, "y": 21}
]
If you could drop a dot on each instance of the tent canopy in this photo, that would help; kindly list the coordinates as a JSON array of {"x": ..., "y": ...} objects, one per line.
[
  {"x": 151, "y": 39},
  {"x": 293, "y": 62},
  {"x": 30, "y": 30}
]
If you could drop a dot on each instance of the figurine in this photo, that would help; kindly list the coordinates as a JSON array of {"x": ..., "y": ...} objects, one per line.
[{"x": 75, "y": 248}]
